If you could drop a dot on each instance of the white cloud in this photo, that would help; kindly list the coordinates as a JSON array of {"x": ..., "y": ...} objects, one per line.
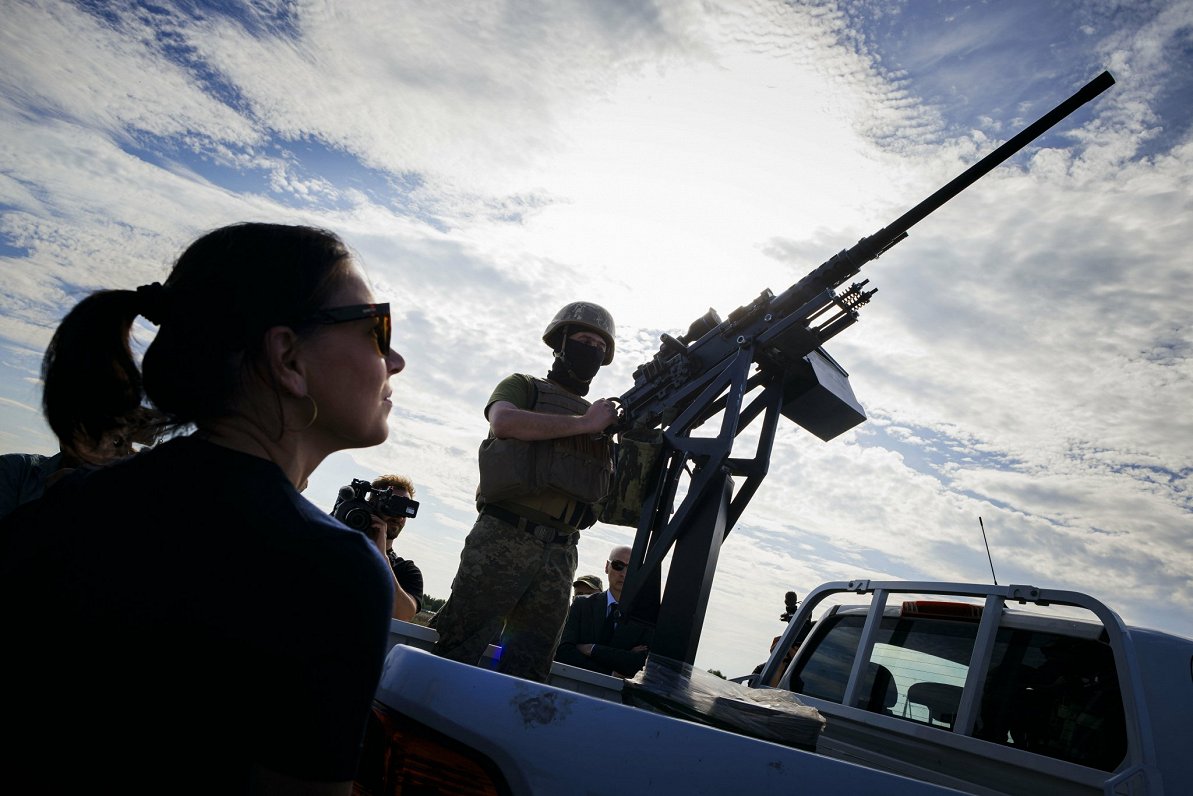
[{"x": 69, "y": 64}]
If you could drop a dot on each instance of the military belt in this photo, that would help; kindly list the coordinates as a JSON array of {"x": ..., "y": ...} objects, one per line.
[{"x": 544, "y": 533}]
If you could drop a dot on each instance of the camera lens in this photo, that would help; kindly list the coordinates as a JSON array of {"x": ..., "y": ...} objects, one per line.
[{"x": 357, "y": 519}]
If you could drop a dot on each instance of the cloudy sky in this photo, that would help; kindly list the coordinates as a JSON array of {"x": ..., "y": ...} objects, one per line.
[{"x": 1028, "y": 358}]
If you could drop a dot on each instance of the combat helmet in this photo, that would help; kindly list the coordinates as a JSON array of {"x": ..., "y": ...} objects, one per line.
[{"x": 585, "y": 315}]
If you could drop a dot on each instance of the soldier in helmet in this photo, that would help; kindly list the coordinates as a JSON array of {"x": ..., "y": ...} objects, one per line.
[{"x": 546, "y": 461}]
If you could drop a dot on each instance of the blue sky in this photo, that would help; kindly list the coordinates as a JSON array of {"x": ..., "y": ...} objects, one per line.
[{"x": 1026, "y": 360}]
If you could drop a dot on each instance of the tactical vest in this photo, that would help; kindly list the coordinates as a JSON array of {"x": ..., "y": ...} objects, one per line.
[{"x": 579, "y": 467}]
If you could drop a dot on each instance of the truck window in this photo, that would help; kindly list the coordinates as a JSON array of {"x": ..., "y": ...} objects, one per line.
[
  {"x": 1045, "y": 692},
  {"x": 928, "y": 687},
  {"x": 916, "y": 671},
  {"x": 826, "y": 672},
  {"x": 1054, "y": 695}
]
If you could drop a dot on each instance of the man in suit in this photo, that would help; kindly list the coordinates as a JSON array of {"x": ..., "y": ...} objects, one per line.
[{"x": 594, "y": 638}]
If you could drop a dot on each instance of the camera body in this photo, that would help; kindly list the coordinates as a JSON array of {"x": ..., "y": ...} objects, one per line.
[{"x": 359, "y": 501}]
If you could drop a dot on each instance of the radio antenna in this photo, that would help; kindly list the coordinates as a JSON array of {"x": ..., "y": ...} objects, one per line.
[{"x": 988, "y": 558}]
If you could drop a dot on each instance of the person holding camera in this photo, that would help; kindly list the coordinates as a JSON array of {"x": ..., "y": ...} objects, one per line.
[
  {"x": 547, "y": 461},
  {"x": 380, "y": 510},
  {"x": 408, "y": 578},
  {"x": 216, "y": 631}
]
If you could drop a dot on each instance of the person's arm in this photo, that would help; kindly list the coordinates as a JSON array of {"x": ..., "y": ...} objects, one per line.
[
  {"x": 410, "y": 578},
  {"x": 570, "y": 650},
  {"x": 626, "y": 652},
  {"x": 507, "y": 421},
  {"x": 623, "y": 663},
  {"x": 405, "y": 606}
]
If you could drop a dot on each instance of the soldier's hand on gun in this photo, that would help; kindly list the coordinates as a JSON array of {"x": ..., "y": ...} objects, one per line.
[{"x": 601, "y": 415}]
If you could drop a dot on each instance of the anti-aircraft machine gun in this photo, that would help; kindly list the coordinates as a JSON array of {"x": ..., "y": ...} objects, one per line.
[{"x": 708, "y": 371}]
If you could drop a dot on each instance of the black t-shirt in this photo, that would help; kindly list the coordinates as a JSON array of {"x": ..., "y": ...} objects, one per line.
[{"x": 176, "y": 618}]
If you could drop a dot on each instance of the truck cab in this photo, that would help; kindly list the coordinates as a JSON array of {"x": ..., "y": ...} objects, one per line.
[{"x": 990, "y": 690}]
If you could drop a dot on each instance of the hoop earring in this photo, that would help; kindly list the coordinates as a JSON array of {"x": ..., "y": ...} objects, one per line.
[{"x": 314, "y": 413}]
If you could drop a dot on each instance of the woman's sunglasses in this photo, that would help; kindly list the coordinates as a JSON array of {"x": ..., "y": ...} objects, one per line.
[{"x": 357, "y": 312}]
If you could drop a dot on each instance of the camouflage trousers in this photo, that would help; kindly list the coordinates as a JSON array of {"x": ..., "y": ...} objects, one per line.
[{"x": 507, "y": 579}]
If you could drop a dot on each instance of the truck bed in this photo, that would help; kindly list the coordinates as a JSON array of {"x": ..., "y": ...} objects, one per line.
[{"x": 546, "y": 740}]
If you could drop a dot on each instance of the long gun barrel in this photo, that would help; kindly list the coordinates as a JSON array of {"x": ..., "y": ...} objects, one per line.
[{"x": 664, "y": 385}]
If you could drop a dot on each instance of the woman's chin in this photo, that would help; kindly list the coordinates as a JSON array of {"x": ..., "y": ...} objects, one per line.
[{"x": 364, "y": 439}]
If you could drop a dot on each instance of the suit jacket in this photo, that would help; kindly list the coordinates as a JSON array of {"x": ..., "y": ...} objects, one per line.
[{"x": 586, "y": 624}]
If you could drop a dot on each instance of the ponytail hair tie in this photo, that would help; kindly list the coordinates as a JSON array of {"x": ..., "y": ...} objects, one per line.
[{"x": 151, "y": 302}]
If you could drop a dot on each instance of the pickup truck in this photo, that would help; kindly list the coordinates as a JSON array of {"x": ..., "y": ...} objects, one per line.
[{"x": 912, "y": 688}]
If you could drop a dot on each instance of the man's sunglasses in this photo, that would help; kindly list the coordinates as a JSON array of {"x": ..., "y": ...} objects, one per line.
[
  {"x": 618, "y": 566},
  {"x": 358, "y": 312}
]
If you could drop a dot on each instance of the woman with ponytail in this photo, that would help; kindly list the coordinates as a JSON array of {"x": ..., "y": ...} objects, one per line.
[{"x": 184, "y": 621}]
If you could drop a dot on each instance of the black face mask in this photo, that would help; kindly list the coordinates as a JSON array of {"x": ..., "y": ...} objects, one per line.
[{"x": 575, "y": 367}]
